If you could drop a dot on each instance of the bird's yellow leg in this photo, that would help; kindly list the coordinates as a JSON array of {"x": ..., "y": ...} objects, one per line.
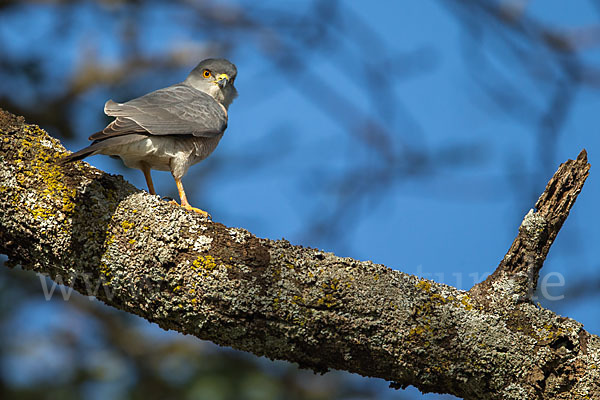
[
  {"x": 184, "y": 202},
  {"x": 148, "y": 176}
]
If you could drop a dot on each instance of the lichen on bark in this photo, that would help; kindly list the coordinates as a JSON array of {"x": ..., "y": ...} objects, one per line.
[{"x": 137, "y": 253}]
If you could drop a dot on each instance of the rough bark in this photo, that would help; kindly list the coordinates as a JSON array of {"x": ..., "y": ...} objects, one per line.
[
  {"x": 518, "y": 272},
  {"x": 85, "y": 228}
]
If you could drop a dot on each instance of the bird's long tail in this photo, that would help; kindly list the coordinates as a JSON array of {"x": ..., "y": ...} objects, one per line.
[
  {"x": 78, "y": 155},
  {"x": 100, "y": 146}
]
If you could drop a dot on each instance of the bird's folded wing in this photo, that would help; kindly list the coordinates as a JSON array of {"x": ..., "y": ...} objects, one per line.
[{"x": 175, "y": 110}]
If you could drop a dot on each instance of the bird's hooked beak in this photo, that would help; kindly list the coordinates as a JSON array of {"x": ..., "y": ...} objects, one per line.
[{"x": 222, "y": 80}]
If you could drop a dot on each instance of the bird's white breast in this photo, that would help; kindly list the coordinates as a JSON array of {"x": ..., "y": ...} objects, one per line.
[{"x": 165, "y": 153}]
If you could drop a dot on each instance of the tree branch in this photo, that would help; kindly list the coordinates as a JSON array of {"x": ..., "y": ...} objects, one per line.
[
  {"x": 104, "y": 237},
  {"x": 517, "y": 275}
]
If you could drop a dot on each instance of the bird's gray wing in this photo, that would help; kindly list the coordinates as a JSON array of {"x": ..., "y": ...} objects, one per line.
[{"x": 175, "y": 110}]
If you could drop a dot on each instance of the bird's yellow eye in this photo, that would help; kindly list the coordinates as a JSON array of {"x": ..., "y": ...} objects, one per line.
[{"x": 206, "y": 73}]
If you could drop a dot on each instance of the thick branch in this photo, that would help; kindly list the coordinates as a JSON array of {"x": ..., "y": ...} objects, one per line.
[{"x": 137, "y": 253}]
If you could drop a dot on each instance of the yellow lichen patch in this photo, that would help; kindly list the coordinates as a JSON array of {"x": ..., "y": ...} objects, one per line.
[
  {"x": 276, "y": 273},
  {"x": 439, "y": 297},
  {"x": 551, "y": 332},
  {"x": 423, "y": 312},
  {"x": 334, "y": 284},
  {"x": 331, "y": 293},
  {"x": 106, "y": 272},
  {"x": 110, "y": 239},
  {"x": 419, "y": 330},
  {"x": 43, "y": 169},
  {"x": 206, "y": 263},
  {"x": 126, "y": 225},
  {"x": 328, "y": 301},
  {"x": 277, "y": 301},
  {"x": 424, "y": 284},
  {"x": 297, "y": 299},
  {"x": 466, "y": 302}
]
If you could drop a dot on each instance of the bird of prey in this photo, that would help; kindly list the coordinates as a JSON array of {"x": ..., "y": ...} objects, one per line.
[{"x": 171, "y": 128}]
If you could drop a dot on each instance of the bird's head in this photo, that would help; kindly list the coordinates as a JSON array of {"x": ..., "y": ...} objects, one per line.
[{"x": 216, "y": 77}]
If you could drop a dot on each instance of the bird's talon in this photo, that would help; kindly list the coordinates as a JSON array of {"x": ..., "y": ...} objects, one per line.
[
  {"x": 190, "y": 208},
  {"x": 199, "y": 211}
]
